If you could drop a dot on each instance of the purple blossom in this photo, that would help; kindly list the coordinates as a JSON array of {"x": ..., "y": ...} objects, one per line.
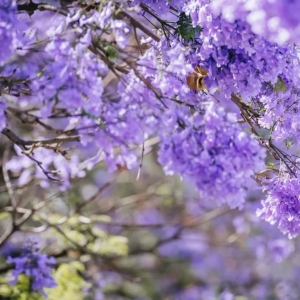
[
  {"x": 160, "y": 6},
  {"x": 277, "y": 20},
  {"x": 196, "y": 293},
  {"x": 216, "y": 154},
  {"x": 35, "y": 265},
  {"x": 101, "y": 18},
  {"x": 8, "y": 30},
  {"x": 2, "y": 115},
  {"x": 192, "y": 245},
  {"x": 280, "y": 249},
  {"x": 201, "y": 141},
  {"x": 227, "y": 295},
  {"x": 121, "y": 30},
  {"x": 282, "y": 205}
]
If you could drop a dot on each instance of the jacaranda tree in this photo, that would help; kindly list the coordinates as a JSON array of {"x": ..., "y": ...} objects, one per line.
[{"x": 149, "y": 149}]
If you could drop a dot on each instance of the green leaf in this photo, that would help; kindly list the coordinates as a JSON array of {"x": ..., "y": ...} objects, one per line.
[
  {"x": 288, "y": 144},
  {"x": 76, "y": 237},
  {"x": 110, "y": 246},
  {"x": 98, "y": 233},
  {"x": 55, "y": 218},
  {"x": 4, "y": 215},
  {"x": 73, "y": 221},
  {"x": 89, "y": 115},
  {"x": 280, "y": 85},
  {"x": 185, "y": 28},
  {"x": 101, "y": 218},
  {"x": 270, "y": 164},
  {"x": 110, "y": 52}
]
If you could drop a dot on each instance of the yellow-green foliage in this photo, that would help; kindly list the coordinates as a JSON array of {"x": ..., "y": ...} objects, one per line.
[
  {"x": 20, "y": 291},
  {"x": 82, "y": 232},
  {"x": 77, "y": 232},
  {"x": 70, "y": 283}
]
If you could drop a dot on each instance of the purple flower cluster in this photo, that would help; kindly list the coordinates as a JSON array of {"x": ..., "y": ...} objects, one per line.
[
  {"x": 78, "y": 79},
  {"x": 277, "y": 20},
  {"x": 35, "y": 265},
  {"x": 199, "y": 140},
  {"x": 8, "y": 30},
  {"x": 238, "y": 60},
  {"x": 281, "y": 111},
  {"x": 282, "y": 205},
  {"x": 216, "y": 154}
]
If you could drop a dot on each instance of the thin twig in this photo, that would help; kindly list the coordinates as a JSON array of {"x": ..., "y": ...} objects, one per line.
[
  {"x": 140, "y": 26},
  {"x": 8, "y": 184}
]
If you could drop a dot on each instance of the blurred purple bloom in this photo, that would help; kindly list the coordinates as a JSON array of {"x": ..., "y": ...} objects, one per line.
[
  {"x": 121, "y": 30},
  {"x": 280, "y": 249},
  {"x": 277, "y": 20},
  {"x": 2, "y": 115},
  {"x": 8, "y": 34},
  {"x": 35, "y": 265}
]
